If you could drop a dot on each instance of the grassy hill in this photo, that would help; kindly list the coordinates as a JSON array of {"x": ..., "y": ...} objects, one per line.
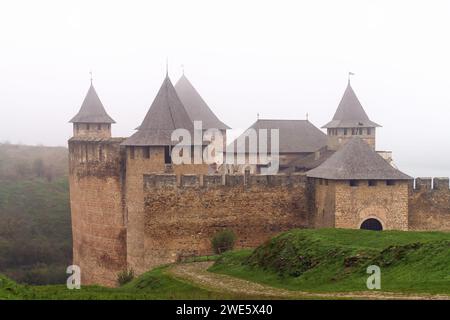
[
  {"x": 156, "y": 284},
  {"x": 35, "y": 228},
  {"x": 336, "y": 260},
  {"x": 327, "y": 260}
]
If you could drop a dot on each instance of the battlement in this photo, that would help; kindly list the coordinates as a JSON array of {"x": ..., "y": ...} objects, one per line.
[
  {"x": 428, "y": 183},
  {"x": 220, "y": 181}
]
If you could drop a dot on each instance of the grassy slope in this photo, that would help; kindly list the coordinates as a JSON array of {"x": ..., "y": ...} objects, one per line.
[
  {"x": 336, "y": 260},
  {"x": 155, "y": 284}
]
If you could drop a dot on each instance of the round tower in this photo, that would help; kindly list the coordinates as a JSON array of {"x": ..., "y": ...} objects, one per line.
[{"x": 96, "y": 201}]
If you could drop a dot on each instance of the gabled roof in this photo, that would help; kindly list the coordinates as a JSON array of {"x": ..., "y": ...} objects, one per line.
[
  {"x": 92, "y": 110},
  {"x": 295, "y": 136},
  {"x": 196, "y": 107},
  {"x": 166, "y": 114},
  {"x": 350, "y": 113},
  {"x": 356, "y": 160},
  {"x": 308, "y": 162}
]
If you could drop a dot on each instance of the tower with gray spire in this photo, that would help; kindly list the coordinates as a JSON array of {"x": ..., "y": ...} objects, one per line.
[
  {"x": 92, "y": 119},
  {"x": 350, "y": 120}
]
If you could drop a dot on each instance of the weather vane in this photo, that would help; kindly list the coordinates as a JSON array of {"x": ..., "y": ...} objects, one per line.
[
  {"x": 349, "y": 75},
  {"x": 90, "y": 72}
]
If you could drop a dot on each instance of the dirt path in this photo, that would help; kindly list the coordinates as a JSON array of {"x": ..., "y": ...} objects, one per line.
[{"x": 196, "y": 272}]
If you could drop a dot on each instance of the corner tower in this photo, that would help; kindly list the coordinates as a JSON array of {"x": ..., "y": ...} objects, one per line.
[
  {"x": 149, "y": 151},
  {"x": 96, "y": 202},
  {"x": 350, "y": 120},
  {"x": 92, "y": 119}
]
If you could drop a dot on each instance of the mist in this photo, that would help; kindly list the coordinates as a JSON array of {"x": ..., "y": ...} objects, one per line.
[{"x": 278, "y": 59}]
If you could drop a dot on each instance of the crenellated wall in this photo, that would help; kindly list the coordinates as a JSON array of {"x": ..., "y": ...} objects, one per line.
[
  {"x": 429, "y": 204},
  {"x": 182, "y": 215}
]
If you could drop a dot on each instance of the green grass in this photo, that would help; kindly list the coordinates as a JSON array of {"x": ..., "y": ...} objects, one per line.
[
  {"x": 331, "y": 260},
  {"x": 154, "y": 285}
]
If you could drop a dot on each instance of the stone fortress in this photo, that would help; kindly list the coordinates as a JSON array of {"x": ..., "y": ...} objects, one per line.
[{"x": 133, "y": 208}]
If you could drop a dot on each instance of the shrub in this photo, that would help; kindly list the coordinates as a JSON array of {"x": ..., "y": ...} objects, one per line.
[
  {"x": 125, "y": 276},
  {"x": 223, "y": 240}
]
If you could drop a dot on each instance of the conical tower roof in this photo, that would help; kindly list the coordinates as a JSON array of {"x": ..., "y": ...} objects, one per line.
[
  {"x": 350, "y": 113},
  {"x": 166, "y": 114},
  {"x": 92, "y": 110},
  {"x": 196, "y": 107},
  {"x": 356, "y": 160}
]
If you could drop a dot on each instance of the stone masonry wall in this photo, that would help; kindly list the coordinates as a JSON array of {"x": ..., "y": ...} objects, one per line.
[
  {"x": 429, "y": 205},
  {"x": 98, "y": 226},
  {"x": 386, "y": 203},
  {"x": 182, "y": 216},
  {"x": 136, "y": 167},
  {"x": 325, "y": 202}
]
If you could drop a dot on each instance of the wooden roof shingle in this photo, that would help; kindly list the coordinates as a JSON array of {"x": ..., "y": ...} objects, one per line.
[
  {"x": 295, "y": 136},
  {"x": 165, "y": 115},
  {"x": 196, "y": 107},
  {"x": 92, "y": 110},
  {"x": 350, "y": 113},
  {"x": 356, "y": 160}
]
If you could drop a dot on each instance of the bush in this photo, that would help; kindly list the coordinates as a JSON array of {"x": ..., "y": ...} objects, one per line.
[
  {"x": 125, "y": 276},
  {"x": 223, "y": 241}
]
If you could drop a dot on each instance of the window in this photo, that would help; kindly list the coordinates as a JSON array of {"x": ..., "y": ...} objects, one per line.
[
  {"x": 345, "y": 131},
  {"x": 390, "y": 182},
  {"x": 360, "y": 131},
  {"x": 146, "y": 152},
  {"x": 326, "y": 182},
  {"x": 372, "y": 183},
  {"x": 131, "y": 152},
  {"x": 353, "y": 183},
  {"x": 369, "y": 131},
  {"x": 88, "y": 127},
  {"x": 320, "y": 181},
  {"x": 353, "y": 132},
  {"x": 99, "y": 127},
  {"x": 167, "y": 155}
]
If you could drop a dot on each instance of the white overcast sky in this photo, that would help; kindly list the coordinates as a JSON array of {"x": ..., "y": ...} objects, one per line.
[{"x": 281, "y": 59}]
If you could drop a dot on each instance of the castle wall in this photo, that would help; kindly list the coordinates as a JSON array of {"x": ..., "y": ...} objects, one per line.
[
  {"x": 386, "y": 203},
  {"x": 429, "y": 205},
  {"x": 182, "y": 216},
  {"x": 137, "y": 166},
  {"x": 98, "y": 226},
  {"x": 325, "y": 203}
]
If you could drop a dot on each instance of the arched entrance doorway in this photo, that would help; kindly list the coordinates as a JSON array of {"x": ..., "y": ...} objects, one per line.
[{"x": 371, "y": 224}]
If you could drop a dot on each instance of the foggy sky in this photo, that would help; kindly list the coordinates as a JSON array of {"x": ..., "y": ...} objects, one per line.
[{"x": 279, "y": 59}]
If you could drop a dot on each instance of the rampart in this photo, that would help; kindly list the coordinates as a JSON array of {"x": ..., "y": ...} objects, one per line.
[
  {"x": 429, "y": 204},
  {"x": 182, "y": 215}
]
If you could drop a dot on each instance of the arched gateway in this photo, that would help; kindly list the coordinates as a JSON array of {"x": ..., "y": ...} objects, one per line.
[{"x": 371, "y": 224}]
